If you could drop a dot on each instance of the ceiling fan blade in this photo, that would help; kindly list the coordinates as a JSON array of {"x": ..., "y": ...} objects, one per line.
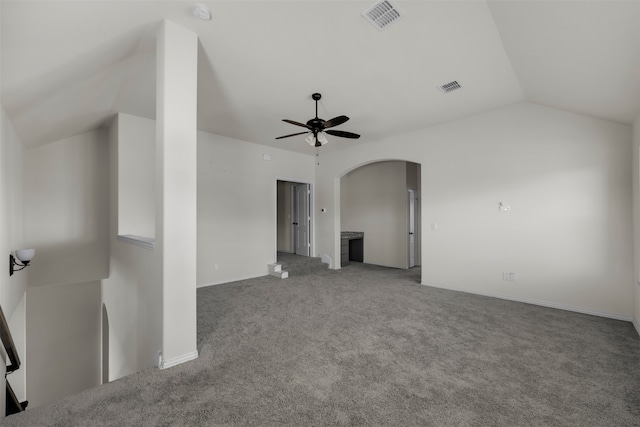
[
  {"x": 293, "y": 134},
  {"x": 343, "y": 134},
  {"x": 297, "y": 123},
  {"x": 335, "y": 121}
]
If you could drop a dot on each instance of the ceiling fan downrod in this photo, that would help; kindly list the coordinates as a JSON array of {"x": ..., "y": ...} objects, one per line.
[{"x": 316, "y": 97}]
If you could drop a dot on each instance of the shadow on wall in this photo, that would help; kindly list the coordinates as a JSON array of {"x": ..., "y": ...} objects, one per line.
[
  {"x": 63, "y": 340},
  {"x": 71, "y": 262},
  {"x": 66, "y": 205}
]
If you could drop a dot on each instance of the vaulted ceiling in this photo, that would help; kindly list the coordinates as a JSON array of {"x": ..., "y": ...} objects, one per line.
[{"x": 68, "y": 66}]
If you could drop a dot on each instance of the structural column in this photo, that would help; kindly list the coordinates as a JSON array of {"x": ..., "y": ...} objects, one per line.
[{"x": 176, "y": 181}]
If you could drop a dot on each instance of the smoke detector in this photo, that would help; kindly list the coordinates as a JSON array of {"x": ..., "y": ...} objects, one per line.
[
  {"x": 382, "y": 14},
  {"x": 201, "y": 11}
]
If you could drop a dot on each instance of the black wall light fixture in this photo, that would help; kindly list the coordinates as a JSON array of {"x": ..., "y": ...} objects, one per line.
[{"x": 24, "y": 256}]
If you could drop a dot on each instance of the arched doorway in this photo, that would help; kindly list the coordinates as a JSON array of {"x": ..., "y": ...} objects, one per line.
[{"x": 382, "y": 200}]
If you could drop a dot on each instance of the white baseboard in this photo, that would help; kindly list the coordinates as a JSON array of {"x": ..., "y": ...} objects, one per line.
[
  {"x": 536, "y": 302},
  {"x": 636, "y": 325},
  {"x": 236, "y": 279},
  {"x": 164, "y": 364}
]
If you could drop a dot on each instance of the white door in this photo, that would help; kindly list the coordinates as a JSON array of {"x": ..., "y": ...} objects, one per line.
[
  {"x": 412, "y": 228},
  {"x": 301, "y": 220}
]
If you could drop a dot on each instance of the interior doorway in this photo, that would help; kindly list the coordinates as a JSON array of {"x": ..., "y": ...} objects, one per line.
[{"x": 294, "y": 217}]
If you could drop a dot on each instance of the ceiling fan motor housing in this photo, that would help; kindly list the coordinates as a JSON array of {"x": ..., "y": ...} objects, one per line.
[{"x": 316, "y": 123}]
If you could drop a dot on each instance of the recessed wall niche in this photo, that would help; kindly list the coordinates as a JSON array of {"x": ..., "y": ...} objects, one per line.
[{"x": 136, "y": 177}]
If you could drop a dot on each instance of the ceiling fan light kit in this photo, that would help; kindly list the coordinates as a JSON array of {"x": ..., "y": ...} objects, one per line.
[
  {"x": 318, "y": 127},
  {"x": 311, "y": 139}
]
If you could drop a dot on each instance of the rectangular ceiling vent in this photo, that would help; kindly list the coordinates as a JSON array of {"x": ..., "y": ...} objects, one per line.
[
  {"x": 450, "y": 87},
  {"x": 382, "y": 14}
]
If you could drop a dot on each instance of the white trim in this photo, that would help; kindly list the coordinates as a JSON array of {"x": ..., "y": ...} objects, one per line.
[
  {"x": 636, "y": 325},
  {"x": 143, "y": 242},
  {"x": 236, "y": 279},
  {"x": 533, "y": 302},
  {"x": 164, "y": 364},
  {"x": 292, "y": 231}
]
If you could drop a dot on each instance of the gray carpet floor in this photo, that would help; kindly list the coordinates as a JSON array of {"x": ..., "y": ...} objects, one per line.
[{"x": 370, "y": 346}]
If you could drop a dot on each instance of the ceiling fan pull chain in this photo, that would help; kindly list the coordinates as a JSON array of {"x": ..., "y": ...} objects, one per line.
[{"x": 317, "y": 156}]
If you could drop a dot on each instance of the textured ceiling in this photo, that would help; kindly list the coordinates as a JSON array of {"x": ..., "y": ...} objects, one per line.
[{"x": 67, "y": 66}]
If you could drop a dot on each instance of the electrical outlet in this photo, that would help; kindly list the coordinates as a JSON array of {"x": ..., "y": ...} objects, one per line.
[{"x": 509, "y": 277}]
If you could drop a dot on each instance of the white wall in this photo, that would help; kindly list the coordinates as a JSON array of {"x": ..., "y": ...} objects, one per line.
[
  {"x": 63, "y": 341},
  {"x": 176, "y": 183},
  {"x": 66, "y": 221},
  {"x": 132, "y": 293},
  {"x": 66, "y": 209},
  {"x": 374, "y": 200},
  {"x": 237, "y": 205},
  {"x": 636, "y": 219},
  {"x": 12, "y": 289},
  {"x": 567, "y": 179},
  {"x": 4, "y": 227}
]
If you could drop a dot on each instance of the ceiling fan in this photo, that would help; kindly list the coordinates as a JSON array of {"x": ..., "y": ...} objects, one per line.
[{"x": 316, "y": 128}]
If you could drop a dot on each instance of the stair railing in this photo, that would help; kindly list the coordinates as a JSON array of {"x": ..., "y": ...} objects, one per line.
[
  {"x": 13, "y": 405},
  {"x": 9, "y": 345}
]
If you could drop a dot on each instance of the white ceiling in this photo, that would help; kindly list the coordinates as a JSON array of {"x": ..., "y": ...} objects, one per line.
[{"x": 67, "y": 66}]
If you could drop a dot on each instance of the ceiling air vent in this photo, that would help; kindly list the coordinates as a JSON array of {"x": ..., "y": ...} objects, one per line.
[
  {"x": 450, "y": 87},
  {"x": 382, "y": 14}
]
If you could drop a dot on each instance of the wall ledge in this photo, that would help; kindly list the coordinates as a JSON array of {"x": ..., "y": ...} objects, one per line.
[
  {"x": 535, "y": 302},
  {"x": 143, "y": 242}
]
